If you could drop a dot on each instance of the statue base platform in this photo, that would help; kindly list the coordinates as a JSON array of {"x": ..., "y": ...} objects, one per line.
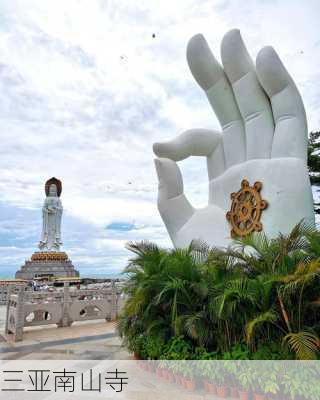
[{"x": 47, "y": 263}]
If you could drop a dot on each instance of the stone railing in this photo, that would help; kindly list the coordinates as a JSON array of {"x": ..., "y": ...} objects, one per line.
[
  {"x": 61, "y": 307},
  {"x": 7, "y": 287}
]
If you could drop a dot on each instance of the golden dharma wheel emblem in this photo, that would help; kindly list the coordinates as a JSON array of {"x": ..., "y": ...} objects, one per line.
[{"x": 246, "y": 209}]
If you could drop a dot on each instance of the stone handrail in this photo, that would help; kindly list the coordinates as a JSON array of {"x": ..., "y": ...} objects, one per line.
[
  {"x": 7, "y": 287},
  {"x": 60, "y": 307}
]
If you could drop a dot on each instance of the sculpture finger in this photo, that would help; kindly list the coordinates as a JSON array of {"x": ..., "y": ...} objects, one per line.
[
  {"x": 173, "y": 206},
  {"x": 195, "y": 142},
  {"x": 210, "y": 76},
  {"x": 252, "y": 101},
  {"x": 291, "y": 132}
]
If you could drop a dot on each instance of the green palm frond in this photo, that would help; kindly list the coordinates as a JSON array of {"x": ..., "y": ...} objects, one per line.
[
  {"x": 142, "y": 248},
  {"x": 261, "y": 319},
  {"x": 304, "y": 344},
  {"x": 199, "y": 251},
  {"x": 304, "y": 273},
  {"x": 259, "y": 242},
  {"x": 260, "y": 253},
  {"x": 297, "y": 239},
  {"x": 314, "y": 244},
  {"x": 135, "y": 303},
  {"x": 197, "y": 326},
  {"x": 237, "y": 292}
]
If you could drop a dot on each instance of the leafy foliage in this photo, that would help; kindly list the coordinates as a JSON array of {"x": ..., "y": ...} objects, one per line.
[
  {"x": 304, "y": 344},
  {"x": 260, "y": 297},
  {"x": 314, "y": 163}
]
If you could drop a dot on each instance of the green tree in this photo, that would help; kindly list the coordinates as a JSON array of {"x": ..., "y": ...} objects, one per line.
[{"x": 314, "y": 164}]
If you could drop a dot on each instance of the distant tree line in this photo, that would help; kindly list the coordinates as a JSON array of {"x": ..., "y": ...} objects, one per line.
[{"x": 314, "y": 165}]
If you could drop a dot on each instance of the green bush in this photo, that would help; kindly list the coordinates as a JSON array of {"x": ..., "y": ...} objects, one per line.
[
  {"x": 177, "y": 349},
  {"x": 154, "y": 347},
  {"x": 258, "y": 303}
]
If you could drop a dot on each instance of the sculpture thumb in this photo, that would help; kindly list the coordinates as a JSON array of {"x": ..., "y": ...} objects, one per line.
[
  {"x": 173, "y": 206},
  {"x": 170, "y": 178}
]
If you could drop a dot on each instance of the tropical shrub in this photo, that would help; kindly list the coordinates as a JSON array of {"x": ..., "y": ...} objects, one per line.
[
  {"x": 257, "y": 299},
  {"x": 154, "y": 347},
  {"x": 177, "y": 349}
]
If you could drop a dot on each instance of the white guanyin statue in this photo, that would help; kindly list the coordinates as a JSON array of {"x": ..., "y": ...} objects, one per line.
[{"x": 51, "y": 217}]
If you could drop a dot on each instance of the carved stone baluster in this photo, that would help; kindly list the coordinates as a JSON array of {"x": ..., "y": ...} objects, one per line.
[
  {"x": 19, "y": 320},
  {"x": 66, "y": 302}
]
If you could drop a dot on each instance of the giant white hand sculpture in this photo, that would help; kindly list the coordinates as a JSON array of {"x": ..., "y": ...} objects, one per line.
[{"x": 264, "y": 138}]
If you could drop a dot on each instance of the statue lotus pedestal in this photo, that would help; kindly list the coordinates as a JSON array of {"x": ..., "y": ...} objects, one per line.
[{"x": 47, "y": 263}]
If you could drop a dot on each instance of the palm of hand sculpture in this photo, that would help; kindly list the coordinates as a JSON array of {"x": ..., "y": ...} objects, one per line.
[{"x": 263, "y": 139}]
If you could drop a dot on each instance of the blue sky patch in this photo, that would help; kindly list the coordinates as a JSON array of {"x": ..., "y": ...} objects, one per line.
[{"x": 120, "y": 226}]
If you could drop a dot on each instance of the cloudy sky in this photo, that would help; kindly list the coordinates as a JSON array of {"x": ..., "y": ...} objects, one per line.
[{"x": 86, "y": 89}]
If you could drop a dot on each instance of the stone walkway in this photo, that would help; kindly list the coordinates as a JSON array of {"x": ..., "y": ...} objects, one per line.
[{"x": 89, "y": 340}]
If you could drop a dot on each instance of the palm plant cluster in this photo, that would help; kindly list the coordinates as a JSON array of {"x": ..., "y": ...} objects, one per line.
[{"x": 258, "y": 299}]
